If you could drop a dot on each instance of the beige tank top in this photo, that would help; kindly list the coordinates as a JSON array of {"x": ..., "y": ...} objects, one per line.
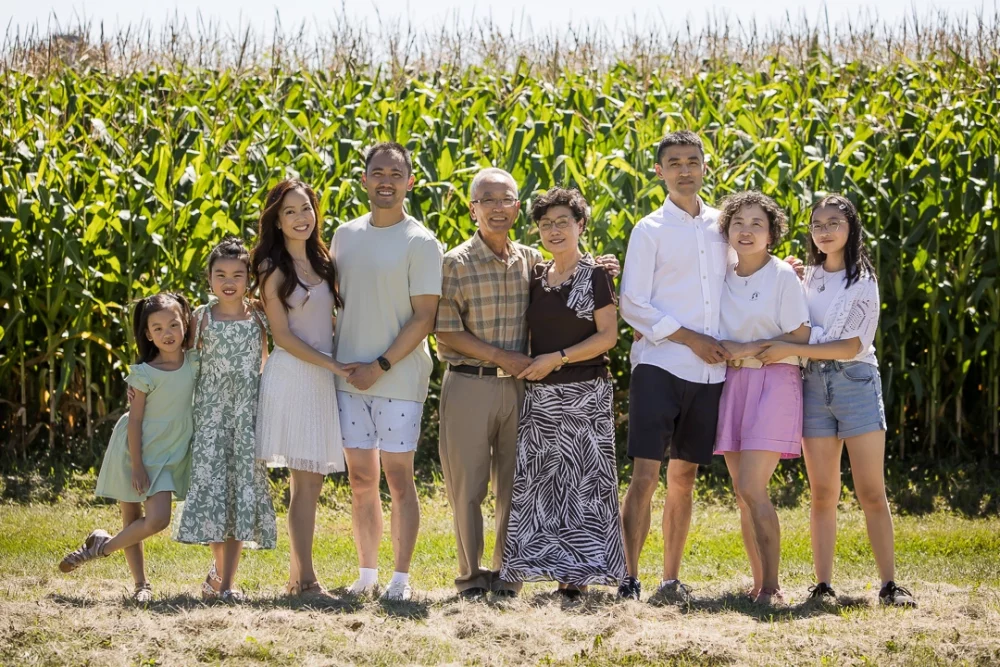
[{"x": 310, "y": 316}]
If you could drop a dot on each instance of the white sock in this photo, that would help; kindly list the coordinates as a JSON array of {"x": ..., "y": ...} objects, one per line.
[
  {"x": 401, "y": 578},
  {"x": 664, "y": 582},
  {"x": 367, "y": 577}
]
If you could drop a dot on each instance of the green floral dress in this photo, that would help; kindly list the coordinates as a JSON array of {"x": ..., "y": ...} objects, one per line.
[{"x": 228, "y": 497}]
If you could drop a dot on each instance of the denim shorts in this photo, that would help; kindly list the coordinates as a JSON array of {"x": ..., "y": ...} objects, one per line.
[{"x": 842, "y": 399}]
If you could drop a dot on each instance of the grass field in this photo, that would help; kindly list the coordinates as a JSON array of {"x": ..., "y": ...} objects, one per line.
[{"x": 951, "y": 563}]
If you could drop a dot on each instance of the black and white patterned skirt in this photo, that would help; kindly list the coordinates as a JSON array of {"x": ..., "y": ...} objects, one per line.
[{"x": 564, "y": 518}]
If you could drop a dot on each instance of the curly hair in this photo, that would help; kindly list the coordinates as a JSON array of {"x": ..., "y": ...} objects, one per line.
[
  {"x": 568, "y": 197},
  {"x": 776, "y": 218},
  {"x": 856, "y": 258}
]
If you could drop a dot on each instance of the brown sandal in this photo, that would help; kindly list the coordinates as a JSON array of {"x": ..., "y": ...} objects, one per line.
[{"x": 312, "y": 589}]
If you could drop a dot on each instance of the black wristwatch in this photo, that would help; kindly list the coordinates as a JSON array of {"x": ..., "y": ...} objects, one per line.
[{"x": 383, "y": 363}]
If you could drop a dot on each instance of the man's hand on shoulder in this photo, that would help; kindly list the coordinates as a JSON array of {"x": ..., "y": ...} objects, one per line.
[{"x": 610, "y": 264}]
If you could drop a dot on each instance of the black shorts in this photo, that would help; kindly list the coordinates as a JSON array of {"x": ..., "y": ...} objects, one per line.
[{"x": 669, "y": 415}]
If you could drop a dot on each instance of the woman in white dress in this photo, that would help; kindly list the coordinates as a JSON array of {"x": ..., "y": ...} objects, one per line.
[{"x": 297, "y": 423}]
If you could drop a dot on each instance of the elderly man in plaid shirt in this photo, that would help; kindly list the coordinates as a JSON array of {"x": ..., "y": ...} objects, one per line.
[{"x": 482, "y": 335}]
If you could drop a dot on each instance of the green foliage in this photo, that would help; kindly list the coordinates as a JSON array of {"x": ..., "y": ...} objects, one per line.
[{"x": 117, "y": 185}]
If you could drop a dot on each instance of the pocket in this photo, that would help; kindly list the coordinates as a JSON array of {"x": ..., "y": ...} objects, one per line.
[{"x": 859, "y": 372}]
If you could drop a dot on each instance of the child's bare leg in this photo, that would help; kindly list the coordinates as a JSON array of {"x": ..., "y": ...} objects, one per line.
[
  {"x": 231, "y": 550},
  {"x": 156, "y": 520},
  {"x": 133, "y": 554}
]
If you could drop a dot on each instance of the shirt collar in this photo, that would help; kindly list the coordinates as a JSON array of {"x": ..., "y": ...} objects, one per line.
[
  {"x": 673, "y": 209},
  {"x": 485, "y": 253}
]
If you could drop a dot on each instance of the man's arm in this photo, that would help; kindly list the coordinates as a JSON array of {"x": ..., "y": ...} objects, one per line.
[
  {"x": 468, "y": 345},
  {"x": 416, "y": 329},
  {"x": 637, "y": 290},
  {"x": 637, "y": 308}
]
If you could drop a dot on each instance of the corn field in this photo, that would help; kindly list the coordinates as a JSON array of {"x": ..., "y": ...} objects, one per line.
[{"x": 115, "y": 184}]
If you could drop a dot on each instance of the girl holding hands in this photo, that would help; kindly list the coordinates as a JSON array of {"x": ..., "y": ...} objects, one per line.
[
  {"x": 297, "y": 423},
  {"x": 843, "y": 392},
  {"x": 760, "y": 412}
]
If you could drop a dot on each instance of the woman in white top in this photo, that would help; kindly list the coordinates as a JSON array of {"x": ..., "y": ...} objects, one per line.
[
  {"x": 760, "y": 412},
  {"x": 843, "y": 392},
  {"x": 297, "y": 422}
]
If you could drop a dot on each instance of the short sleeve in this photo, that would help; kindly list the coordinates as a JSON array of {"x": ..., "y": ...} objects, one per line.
[
  {"x": 261, "y": 316},
  {"x": 793, "y": 309},
  {"x": 862, "y": 320},
  {"x": 604, "y": 290},
  {"x": 424, "y": 274},
  {"x": 140, "y": 379},
  {"x": 452, "y": 303}
]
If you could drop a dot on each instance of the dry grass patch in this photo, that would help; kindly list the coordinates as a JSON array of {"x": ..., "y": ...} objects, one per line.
[{"x": 46, "y": 618}]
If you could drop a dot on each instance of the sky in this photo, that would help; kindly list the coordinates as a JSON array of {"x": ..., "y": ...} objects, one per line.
[{"x": 539, "y": 14}]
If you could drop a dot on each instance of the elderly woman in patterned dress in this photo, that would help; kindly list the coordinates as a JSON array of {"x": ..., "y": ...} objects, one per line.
[{"x": 564, "y": 520}]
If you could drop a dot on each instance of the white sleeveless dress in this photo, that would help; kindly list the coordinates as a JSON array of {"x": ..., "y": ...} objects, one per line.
[{"x": 297, "y": 418}]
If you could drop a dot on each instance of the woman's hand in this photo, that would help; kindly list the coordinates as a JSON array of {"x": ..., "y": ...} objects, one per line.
[
  {"x": 773, "y": 352},
  {"x": 140, "y": 478},
  {"x": 343, "y": 370},
  {"x": 541, "y": 367}
]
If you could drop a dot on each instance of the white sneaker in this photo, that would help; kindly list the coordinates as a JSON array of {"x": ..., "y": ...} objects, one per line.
[
  {"x": 358, "y": 588},
  {"x": 398, "y": 591}
]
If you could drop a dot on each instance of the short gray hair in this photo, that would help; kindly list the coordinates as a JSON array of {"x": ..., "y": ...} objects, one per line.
[{"x": 490, "y": 174}]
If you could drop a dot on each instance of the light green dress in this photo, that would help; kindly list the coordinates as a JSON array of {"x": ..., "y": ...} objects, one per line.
[
  {"x": 230, "y": 495},
  {"x": 167, "y": 425}
]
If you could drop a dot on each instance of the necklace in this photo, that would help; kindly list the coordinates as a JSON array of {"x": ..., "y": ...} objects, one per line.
[{"x": 306, "y": 272}]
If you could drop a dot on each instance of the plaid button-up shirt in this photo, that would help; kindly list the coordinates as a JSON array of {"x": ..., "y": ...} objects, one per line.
[{"x": 486, "y": 296}]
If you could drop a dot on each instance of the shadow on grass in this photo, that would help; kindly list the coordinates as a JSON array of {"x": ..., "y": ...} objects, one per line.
[
  {"x": 338, "y": 602},
  {"x": 740, "y": 602}
]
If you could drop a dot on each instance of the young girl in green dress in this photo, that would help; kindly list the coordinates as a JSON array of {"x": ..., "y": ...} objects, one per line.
[
  {"x": 228, "y": 502},
  {"x": 148, "y": 457}
]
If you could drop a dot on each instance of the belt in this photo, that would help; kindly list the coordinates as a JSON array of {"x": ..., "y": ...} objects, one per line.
[
  {"x": 751, "y": 362},
  {"x": 481, "y": 371}
]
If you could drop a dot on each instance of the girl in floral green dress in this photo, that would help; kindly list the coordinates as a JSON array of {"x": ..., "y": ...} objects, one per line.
[{"x": 228, "y": 502}]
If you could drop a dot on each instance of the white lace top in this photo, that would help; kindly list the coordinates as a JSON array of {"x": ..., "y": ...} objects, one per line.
[{"x": 852, "y": 312}]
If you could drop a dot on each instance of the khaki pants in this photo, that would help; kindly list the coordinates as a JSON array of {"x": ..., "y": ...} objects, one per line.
[{"x": 478, "y": 444}]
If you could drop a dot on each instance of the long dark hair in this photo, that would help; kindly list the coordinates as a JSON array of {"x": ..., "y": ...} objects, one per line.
[
  {"x": 270, "y": 253},
  {"x": 140, "y": 319},
  {"x": 856, "y": 260}
]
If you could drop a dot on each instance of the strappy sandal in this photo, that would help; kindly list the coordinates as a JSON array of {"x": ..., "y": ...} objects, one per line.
[
  {"x": 208, "y": 592},
  {"x": 313, "y": 589},
  {"x": 143, "y": 593},
  {"x": 232, "y": 596},
  {"x": 92, "y": 547},
  {"x": 770, "y": 597}
]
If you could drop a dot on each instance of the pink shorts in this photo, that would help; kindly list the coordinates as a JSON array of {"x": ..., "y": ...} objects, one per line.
[{"x": 761, "y": 408}]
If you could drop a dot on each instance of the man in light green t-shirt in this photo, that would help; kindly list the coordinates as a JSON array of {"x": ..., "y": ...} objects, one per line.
[{"x": 389, "y": 266}]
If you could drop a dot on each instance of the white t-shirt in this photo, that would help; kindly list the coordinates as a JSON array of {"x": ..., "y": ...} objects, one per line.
[
  {"x": 767, "y": 304},
  {"x": 379, "y": 269},
  {"x": 824, "y": 290}
]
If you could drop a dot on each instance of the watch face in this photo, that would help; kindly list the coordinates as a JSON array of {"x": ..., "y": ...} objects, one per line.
[{"x": 384, "y": 363}]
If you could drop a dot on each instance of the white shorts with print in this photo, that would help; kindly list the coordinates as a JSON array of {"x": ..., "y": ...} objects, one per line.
[{"x": 373, "y": 422}]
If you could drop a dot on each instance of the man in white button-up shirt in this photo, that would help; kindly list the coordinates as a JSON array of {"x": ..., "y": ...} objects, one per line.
[{"x": 670, "y": 293}]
